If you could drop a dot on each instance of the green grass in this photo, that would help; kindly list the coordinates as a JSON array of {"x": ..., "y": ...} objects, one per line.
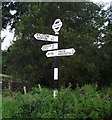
[
  {"x": 3, "y": 75},
  {"x": 0, "y": 107},
  {"x": 85, "y": 102},
  {"x": 9, "y": 106}
]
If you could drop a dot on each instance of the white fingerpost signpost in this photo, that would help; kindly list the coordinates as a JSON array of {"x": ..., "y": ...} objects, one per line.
[
  {"x": 54, "y": 52},
  {"x": 56, "y": 27}
]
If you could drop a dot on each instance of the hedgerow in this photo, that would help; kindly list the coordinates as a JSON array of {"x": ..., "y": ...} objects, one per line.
[{"x": 85, "y": 102}]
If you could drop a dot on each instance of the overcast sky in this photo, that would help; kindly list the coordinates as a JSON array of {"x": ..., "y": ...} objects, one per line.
[
  {"x": 10, "y": 35},
  {"x": 104, "y": 1}
]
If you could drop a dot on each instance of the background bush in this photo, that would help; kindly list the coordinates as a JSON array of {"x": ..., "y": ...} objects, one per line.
[{"x": 85, "y": 102}]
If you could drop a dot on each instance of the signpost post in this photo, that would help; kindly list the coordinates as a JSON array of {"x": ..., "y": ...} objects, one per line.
[
  {"x": 56, "y": 27},
  {"x": 63, "y": 52}
]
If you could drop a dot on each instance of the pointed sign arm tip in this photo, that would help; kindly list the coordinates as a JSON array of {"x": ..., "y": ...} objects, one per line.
[{"x": 73, "y": 50}]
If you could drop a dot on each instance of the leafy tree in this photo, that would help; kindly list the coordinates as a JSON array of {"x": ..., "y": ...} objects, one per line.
[
  {"x": 82, "y": 23},
  {"x": 11, "y": 19},
  {"x": 105, "y": 54}
]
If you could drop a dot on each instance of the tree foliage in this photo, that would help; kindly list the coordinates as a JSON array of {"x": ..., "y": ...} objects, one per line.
[{"x": 83, "y": 26}]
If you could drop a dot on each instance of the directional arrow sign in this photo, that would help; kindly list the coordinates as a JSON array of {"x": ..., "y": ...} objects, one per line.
[
  {"x": 63, "y": 52},
  {"x": 49, "y": 47},
  {"x": 46, "y": 37}
]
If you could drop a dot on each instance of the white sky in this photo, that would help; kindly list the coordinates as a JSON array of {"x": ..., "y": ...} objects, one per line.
[
  {"x": 100, "y": 1},
  {"x": 10, "y": 35}
]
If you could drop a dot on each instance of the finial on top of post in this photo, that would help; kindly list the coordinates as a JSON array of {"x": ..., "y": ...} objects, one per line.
[{"x": 57, "y": 26}]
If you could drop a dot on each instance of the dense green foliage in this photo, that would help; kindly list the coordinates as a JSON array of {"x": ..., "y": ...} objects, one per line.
[
  {"x": 83, "y": 29},
  {"x": 0, "y": 107},
  {"x": 85, "y": 102}
]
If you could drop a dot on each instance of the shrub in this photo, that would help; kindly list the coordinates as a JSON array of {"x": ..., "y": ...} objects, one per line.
[
  {"x": 6, "y": 93},
  {"x": 85, "y": 102},
  {"x": 9, "y": 106}
]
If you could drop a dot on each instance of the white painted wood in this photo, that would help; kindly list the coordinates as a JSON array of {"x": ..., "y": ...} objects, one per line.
[
  {"x": 57, "y": 26},
  {"x": 49, "y": 47},
  {"x": 55, "y": 92},
  {"x": 39, "y": 87},
  {"x": 24, "y": 88},
  {"x": 63, "y": 52},
  {"x": 46, "y": 37},
  {"x": 55, "y": 73}
]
